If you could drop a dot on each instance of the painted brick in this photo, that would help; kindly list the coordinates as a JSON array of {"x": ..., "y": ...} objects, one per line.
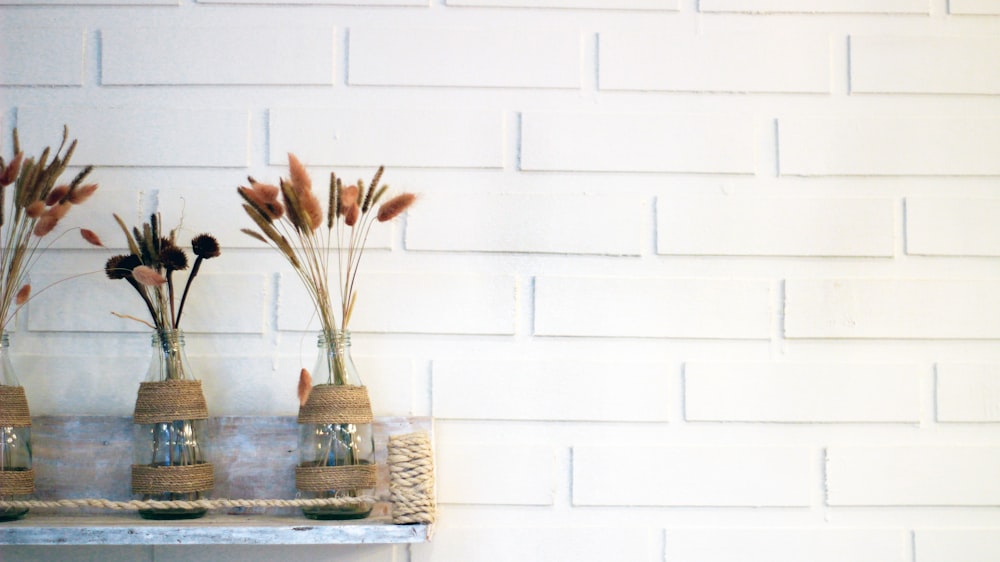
[
  {"x": 217, "y": 55},
  {"x": 910, "y": 476},
  {"x": 636, "y": 307},
  {"x": 974, "y": 7},
  {"x": 489, "y": 57},
  {"x": 642, "y": 142},
  {"x": 856, "y": 146},
  {"x": 504, "y": 544},
  {"x": 941, "y": 65},
  {"x": 733, "y": 63},
  {"x": 801, "y": 392},
  {"x": 968, "y": 392},
  {"x": 892, "y": 308},
  {"x": 817, "y": 6},
  {"x": 121, "y": 136},
  {"x": 786, "y": 545},
  {"x": 62, "y": 65},
  {"x": 208, "y": 308},
  {"x": 952, "y": 227},
  {"x": 691, "y": 476},
  {"x": 425, "y": 138},
  {"x": 775, "y": 227},
  {"x": 967, "y": 545},
  {"x": 477, "y": 304},
  {"x": 464, "y": 390},
  {"x": 665, "y": 5},
  {"x": 462, "y": 468},
  {"x": 527, "y": 223}
]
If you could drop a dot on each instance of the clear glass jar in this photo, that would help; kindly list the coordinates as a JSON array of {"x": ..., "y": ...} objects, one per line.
[
  {"x": 15, "y": 438},
  {"x": 336, "y": 444},
  {"x": 178, "y": 442}
]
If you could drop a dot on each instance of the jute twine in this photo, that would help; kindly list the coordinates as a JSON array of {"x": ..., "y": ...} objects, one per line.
[
  {"x": 411, "y": 479},
  {"x": 335, "y": 403},
  {"x": 165, "y": 401},
  {"x": 327, "y": 478},
  {"x": 14, "y": 407},
  {"x": 147, "y": 479},
  {"x": 17, "y": 481}
]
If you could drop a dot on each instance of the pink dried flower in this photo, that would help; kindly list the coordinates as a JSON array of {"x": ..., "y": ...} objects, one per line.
[
  {"x": 91, "y": 237},
  {"x": 23, "y": 294},
  {"x": 395, "y": 206},
  {"x": 148, "y": 276}
]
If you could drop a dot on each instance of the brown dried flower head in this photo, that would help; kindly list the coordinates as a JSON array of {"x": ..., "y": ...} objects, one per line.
[
  {"x": 91, "y": 237},
  {"x": 81, "y": 193},
  {"x": 9, "y": 173},
  {"x": 205, "y": 246},
  {"x": 23, "y": 294},
  {"x": 395, "y": 206}
]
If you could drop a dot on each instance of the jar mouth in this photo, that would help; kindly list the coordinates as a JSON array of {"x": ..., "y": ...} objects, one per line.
[{"x": 333, "y": 337}]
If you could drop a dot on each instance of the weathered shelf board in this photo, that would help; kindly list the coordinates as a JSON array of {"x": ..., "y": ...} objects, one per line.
[
  {"x": 79, "y": 457},
  {"x": 214, "y": 528}
]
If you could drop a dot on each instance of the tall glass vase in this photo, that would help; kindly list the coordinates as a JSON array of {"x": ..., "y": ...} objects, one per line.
[
  {"x": 335, "y": 433},
  {"x": 170, "y": 414},
  {"x": 17, "y": 478}
]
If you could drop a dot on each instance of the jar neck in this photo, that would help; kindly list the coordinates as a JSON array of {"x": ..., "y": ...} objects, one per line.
[
  {"x": 338, "y": 341},
  {"x": 169, "y": 361}
]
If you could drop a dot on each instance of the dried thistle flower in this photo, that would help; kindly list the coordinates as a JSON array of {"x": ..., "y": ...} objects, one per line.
[
  {"x": 173, "y": 258},
  {"x": 205, "y": 246}
]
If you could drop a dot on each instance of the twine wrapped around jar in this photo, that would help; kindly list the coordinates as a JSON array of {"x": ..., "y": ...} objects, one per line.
[
  {"x": 17, "y": 482},
  {"x": 165, "y": 401},
  {"x": 323, "y": 478},
  {"x": 179, "y": 479},
  {"x": 334, "y": 403},
  {"x": 14, "y": 407}
]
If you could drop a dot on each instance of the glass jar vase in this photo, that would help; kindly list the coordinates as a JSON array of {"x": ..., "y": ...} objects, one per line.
[
  {"x": 17, "y": 478},
  {"x": 169, "y": 441},
  {"x": 337, "y": 450}
]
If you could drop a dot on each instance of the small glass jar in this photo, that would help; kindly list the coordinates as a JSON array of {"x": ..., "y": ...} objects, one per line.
[
  {"x": 17, "y": 478},
  {"x": 170, "y": 443},
  {"x": 336, "y": 444}
]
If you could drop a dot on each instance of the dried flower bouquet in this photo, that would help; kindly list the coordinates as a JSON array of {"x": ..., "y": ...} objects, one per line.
[
  {"x": 335, "y": 414},
  {"x": 170, "y": 407}
]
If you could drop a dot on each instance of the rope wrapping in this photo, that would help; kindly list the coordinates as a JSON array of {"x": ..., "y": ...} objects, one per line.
[
  {"x": 411, "y": 479},
  {"x": 179, "y": 479},
  {"x": 169, "y": 400},
  {"x": 336, "y": 403},
  {"x": 14, "y": 407},
  {"x": 17, "y": 482},
  {"x": 138, "y": 505},
  {"x": 327, "y": 478}
]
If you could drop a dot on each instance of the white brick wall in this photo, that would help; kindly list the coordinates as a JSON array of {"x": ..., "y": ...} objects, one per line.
[{"x": 687, "y": 280}]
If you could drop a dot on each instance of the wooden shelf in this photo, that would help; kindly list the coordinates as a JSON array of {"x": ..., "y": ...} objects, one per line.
[
  {"x": 130, "y": 529},
  {"x": 254, "y": 458}
]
